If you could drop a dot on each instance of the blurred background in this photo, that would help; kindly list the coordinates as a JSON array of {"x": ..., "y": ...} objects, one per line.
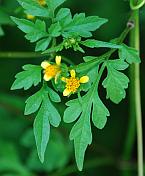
[{"x": 18, "y": 156}]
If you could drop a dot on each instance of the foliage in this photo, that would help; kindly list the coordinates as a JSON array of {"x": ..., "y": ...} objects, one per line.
[{"x": 64, "y": 31}]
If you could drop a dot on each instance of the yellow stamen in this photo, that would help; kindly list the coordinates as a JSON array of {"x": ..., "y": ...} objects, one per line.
[{"x": 73, "y": 83}]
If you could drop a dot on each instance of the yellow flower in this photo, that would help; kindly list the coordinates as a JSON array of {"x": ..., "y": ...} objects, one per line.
[
  {"x": 73, "y": 83},
  {"x": 51, "y": 70},
  {"x": 42, "y": 2},
  {"x": 30, "y": 17}
]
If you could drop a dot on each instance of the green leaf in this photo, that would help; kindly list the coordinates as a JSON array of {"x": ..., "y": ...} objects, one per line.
[
  {"x": 32, "y": 7},
  {"x": 43, "y": 44},
  {"x": 129, "y": 54},
  {"x": 81, "y": 131},
  {"x": 91, "y": 43},
  {"x": 62, "y": 13},
  {"x": 42, "y": 129},
  {"x": 55, "y": 30},
  {"x": 34, "y": 31},
  {"x": 115, "y": 82},
  {"x": 82, "y": 25},
  {"x": 33, "y": 103},
  {"x": 53, "y": 95},
  {"x": 47, "y": 115},
  {"x": 25, "y": 79},
  {"x": 72, "y": 113},
  {"x": 54, "y": 4},
  {"x": 99, "y": 113}
]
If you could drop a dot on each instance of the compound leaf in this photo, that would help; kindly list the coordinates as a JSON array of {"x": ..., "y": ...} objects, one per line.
[
  {"x": 34, "y": 31},
  {"x": 32, "y": 7},
  {"x": 115, "y": 83},
  {"x": 91, "y": 43},
  {"x": 129, "y": 54},
  {"x": 25, "y": 79}
]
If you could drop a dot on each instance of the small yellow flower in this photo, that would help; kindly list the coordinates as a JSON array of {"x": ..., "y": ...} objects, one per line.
[
  {"x": 73, "y": 83},
  {"x": 51, "y": 70},
  {"x": 30, "y": 17},
  {"x": 42, "y": 2}
]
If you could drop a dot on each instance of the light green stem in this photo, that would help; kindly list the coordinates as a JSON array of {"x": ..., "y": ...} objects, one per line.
[{"x": 135, "y": 99}]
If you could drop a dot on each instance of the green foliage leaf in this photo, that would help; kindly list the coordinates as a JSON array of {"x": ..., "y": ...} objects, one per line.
[
  {"x": 116, "y": 82},
  {"x": 129, "y": 54},
  {"x": 42, "y": 129},
  {"x": 81, "y": 131},
  {"x": 33, "y": 103},
  {"x": 34, "y": 31},
  {"x": 82, "y": 25},
  {"x": 55, "y": 30},
  {"x": 43, "y": 44},
  {"x": 52, "y": 5},
  {"x": 32, "y": 7},
  {"x": 62, "y": 14},
  {"x": 91, "y": 43},
  {"x": 25, "y": 79},
  {"x": 47, "y": 115}
]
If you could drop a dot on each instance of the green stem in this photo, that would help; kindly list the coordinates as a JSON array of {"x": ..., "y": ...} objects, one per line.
[
  {"x": 28, "y": 55},
  {"x": 135, "y": 122}
]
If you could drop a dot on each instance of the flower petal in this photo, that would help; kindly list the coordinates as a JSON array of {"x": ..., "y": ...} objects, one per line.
[
  {"x": 84, "y": 79},
  {"x": 45, "y": 64},
  {"x": 73, "y": 73},
  {"x": 30, "y": 17},
  {"x": 47, "y": 78},
  {"x": 64, "y": 79},
  {"x": 66, "y": 92},
  {"x": 58, "y": 60}
]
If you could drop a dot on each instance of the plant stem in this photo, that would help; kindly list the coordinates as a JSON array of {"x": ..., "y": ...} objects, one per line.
[{"x": 135, "y": 122}]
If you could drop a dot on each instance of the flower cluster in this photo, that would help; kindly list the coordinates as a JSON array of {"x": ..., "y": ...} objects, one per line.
[{"x": 53, "y": 71}]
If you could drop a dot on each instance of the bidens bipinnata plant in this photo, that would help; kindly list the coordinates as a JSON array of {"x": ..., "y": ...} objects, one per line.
[{"x": 47, "y": 22}]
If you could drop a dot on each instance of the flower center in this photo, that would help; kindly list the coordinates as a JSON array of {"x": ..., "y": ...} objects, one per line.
[
  {"x": 52, "y": 70},
  {"x": 72, "y": 84}
]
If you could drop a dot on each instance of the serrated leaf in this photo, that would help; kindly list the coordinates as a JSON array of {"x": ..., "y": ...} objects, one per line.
[
  {"x": 72, "y": 113},
  {"x": 54, "y": 4},
  {"x": 43, "y": 44},
  {"x": 62, "y": 13},
  {"x": 81, "y": 131},
  {"x": 129, "y": 54},
  {"x": 34, "y": 8},
  {"x": 99, "y": 113},
  {"x": 115, "y": 84},
  {"x": 42, "y": 130},
  {"x": 33, "y": 102},
  {"x": 55, "y": 30},
  {"x": 82, "y": 136},
  {"x": 118, "y": 64},
  {"x": 25, "y": 79},
  {"x": 91, "y": 43},
  {"x": 34, "y": 31},
  {"x": 53, "y": 95},
  {"x": 47, "y": 115},
  {"x": 82, "y": 25}
]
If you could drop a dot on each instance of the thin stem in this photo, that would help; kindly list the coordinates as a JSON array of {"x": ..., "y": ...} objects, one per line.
[{"x": 135, "y": 103}]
